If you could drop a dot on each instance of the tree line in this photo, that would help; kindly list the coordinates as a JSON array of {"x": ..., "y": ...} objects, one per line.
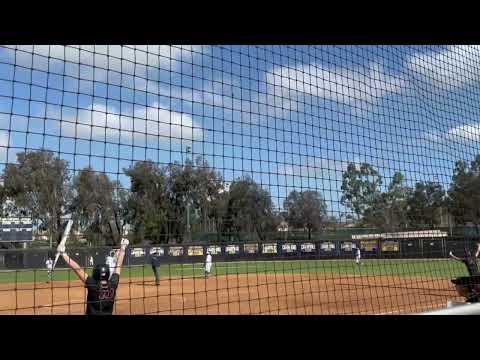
[
  {"x": 170, "y": 203},
  {"x": 417, "y": 207},
  {"x": 163, "y": 204}
]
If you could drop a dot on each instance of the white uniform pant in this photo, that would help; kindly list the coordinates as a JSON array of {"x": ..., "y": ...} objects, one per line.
[{"x": 208, "y": 267}]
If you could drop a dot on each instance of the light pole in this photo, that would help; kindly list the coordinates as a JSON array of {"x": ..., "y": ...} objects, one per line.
[{"x": 189, "y": 237}]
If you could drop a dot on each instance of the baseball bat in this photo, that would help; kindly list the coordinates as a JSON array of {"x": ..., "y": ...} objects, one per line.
[{"x": 63, "y": 241}]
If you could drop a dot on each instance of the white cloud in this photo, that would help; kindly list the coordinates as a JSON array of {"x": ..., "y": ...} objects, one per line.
[
  {"x": 131, "y": 59},
  {"x": 345, "y": 85},
  {"x": 465, "y": 132},
  {"x": 3, "y": 139},
  {"x": 452, "y": 67},
  {"x": 151, "y": 120},
  {"x": 434, "y": 136},
  {"x": 3, "y": 146}
]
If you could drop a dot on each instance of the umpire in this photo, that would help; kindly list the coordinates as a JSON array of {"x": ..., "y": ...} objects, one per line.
[{"x": 155, "y": 261}]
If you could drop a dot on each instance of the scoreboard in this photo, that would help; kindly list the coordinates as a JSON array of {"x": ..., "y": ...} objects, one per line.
[{"x": 16, "y": 229}]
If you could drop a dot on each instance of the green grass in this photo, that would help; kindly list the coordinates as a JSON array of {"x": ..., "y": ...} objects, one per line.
[{"x": 425, "y": 268}]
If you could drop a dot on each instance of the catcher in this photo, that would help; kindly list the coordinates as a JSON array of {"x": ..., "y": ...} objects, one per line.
[
  {"x": 101, "y": 287},
  {"x": 468, "y": 286}
]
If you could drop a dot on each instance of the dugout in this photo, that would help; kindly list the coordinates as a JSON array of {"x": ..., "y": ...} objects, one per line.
[
  {"x": 369, "y": 248},
  {"x": 456, "y": 245},
  {"x": 410, "y": 248},
  {"x": 459, "y": 245},
  {"x": 432, "y": 248},
  {"x": 390, "y": 249},
  {"x": 347, "y": 249},
  {"x": 14, "y": 260}
]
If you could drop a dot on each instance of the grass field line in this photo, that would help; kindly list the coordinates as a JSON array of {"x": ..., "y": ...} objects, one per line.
[{"x": 225, "y": 263}]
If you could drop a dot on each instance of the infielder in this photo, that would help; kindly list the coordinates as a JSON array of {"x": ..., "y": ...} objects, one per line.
[
  {"x": 208, "y": 264},
  {"x": 111, "y": 261},
  {"x": 155, "y": 262},
  {"x": 358, "y": 256},
  {"x": 101, "y": 287},
  {"x": 49, "y": 265}
]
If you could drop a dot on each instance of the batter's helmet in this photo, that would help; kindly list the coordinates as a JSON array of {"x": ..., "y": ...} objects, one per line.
[{"x": 101, "y": 272}]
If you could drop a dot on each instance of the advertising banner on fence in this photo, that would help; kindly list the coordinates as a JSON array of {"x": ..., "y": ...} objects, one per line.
[
  {"x": 175, "y": 251},
  {"x": 232, "y": 249},
  {"x": 327, "y": 246},
  {"x": 289, "y": 248},
  {"x": 214, "y": 250},
  {"x": 195, "y": 250},
  {"x": 250, "y": 248},
  {"x": 138, "y": 252},
  {"x": 159, "y": 250},
  {"x": 307, "y": 247},
  {"x": 269, "y": 248}
]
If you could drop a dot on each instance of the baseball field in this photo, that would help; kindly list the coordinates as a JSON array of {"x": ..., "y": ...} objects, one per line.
[{"x": 248, "y": 287}]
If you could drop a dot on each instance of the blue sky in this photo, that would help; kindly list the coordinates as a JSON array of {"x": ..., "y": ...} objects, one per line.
[{"x": 291, "y": 117}]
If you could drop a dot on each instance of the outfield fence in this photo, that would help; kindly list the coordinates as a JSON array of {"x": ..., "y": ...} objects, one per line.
[{"x": 189, "y": 253}]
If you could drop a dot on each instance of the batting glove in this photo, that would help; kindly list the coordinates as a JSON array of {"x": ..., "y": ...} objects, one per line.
[
  {"x": 124, "y": 243},
  {"x": 61, "y": 249}
]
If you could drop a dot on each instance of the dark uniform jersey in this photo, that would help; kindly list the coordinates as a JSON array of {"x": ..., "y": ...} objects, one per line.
[
  {"x": 471, "y": 264},
  {"x": 101, "y": 297},
  {"x": 155, "y": 260}
]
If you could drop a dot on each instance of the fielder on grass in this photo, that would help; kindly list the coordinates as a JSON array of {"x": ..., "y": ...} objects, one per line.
[
  {"x": 358, "y": 256},
  {"x": 101, "y": 287},
  {"x": 208, "y": 264},
  {"x": 49, "y": 265}
]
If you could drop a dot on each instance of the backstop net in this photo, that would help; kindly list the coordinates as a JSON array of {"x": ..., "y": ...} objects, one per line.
[{"x": 247, "y": 179}]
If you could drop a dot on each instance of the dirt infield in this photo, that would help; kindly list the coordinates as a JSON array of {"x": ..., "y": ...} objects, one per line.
[{"x": 299, "y": 294}]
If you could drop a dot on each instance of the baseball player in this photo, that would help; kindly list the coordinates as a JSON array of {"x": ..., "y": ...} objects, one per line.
[
  {"x": 111, "y": 261},
  {"x": 101, "y": 287},
  {"x": 90, "y": 260},
  {"x": 49, "y": 265},
  {"x": 358, "y": 256},
  {"x": 155, "y": 262},
  {"x": 469, "y": 261},
  {"x": 208, "y": 264}
]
